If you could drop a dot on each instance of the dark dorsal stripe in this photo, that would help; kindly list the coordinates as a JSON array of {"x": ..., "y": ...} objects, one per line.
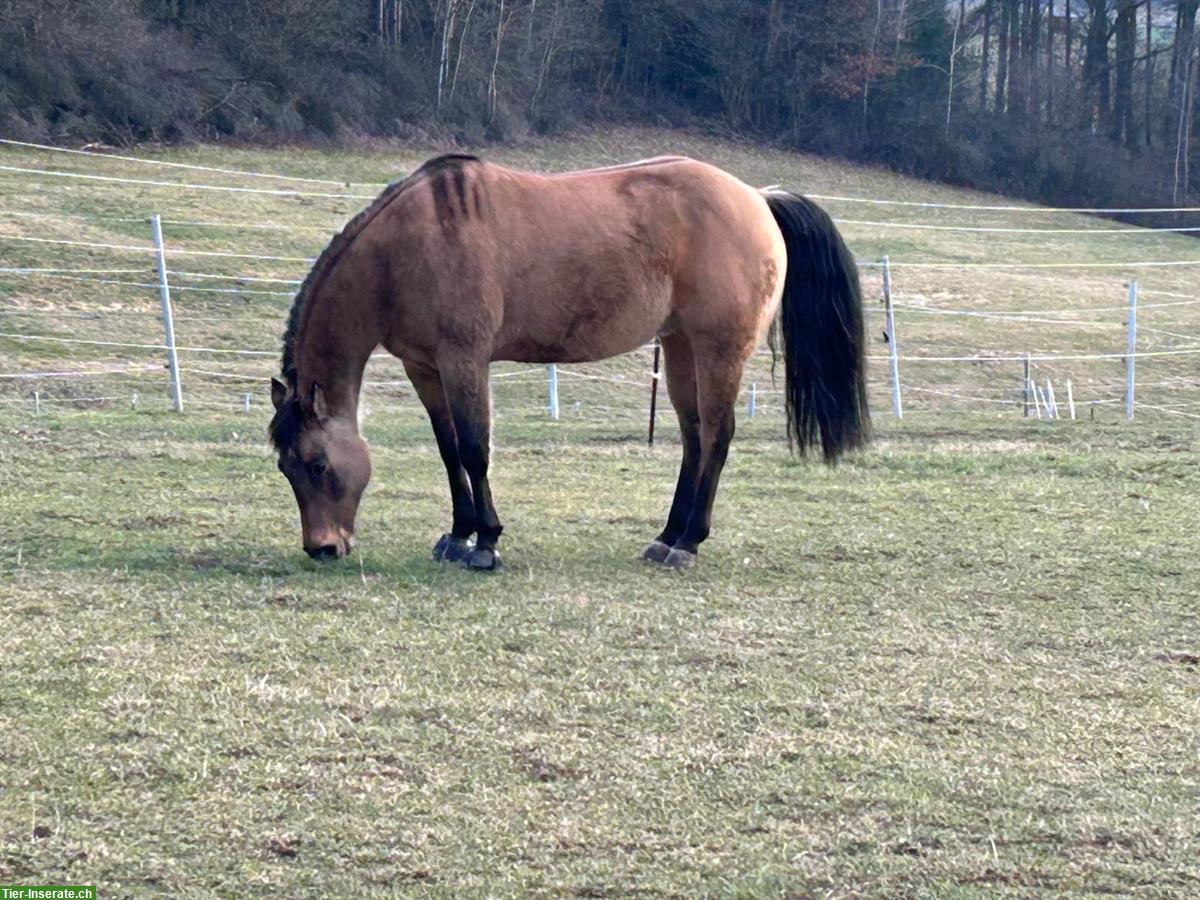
[
  {"x": 450, "y": 163},
  {"x": 285, "y": 425}
]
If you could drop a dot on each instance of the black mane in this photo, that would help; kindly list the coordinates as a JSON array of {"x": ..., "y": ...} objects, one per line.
[{"x": 286, "y": 422}]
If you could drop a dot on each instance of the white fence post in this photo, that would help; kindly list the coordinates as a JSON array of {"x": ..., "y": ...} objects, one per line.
[
  {"x": 1028, "y": 386},
  {"x": 37, "y": 403},
  {"x": 246, "y": 403},
  {"x": 1050, "y": 401},
  {"x": 164, "y": 296},
  {"x": 893, "y": 350},
  {"x": 752, "y": 403},
  {"x": 552, "y": 371},
  {"x": 1070, "y": 400},
  {"x": 1130, "y": 349}
]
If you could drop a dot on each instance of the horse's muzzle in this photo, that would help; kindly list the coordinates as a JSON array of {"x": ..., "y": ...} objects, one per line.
[{"x": 334, "y": 549}]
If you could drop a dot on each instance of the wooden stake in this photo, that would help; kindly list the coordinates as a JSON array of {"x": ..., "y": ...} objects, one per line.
[{"x": 654, "y": 391}]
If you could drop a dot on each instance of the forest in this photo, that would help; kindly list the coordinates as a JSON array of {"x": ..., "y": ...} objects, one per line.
[{"x": 1069, "y": 101}]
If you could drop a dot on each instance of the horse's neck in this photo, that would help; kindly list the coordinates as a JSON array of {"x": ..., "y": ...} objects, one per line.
[{"x": 331, "y": 349}]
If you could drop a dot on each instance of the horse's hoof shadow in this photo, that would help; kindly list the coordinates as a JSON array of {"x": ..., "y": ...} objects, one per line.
[
  {"x": 451, "y": 549},
  {"x": 485, "y": 561},
  {"x": 657, "y": 552}
]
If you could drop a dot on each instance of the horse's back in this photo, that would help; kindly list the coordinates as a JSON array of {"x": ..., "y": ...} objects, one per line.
[{"x": 576, "y": 266}]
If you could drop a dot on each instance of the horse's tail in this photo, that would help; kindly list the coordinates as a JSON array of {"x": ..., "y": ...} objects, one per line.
[{"x": 822, "y": 323}]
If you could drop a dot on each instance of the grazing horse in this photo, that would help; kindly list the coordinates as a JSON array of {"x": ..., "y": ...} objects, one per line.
[{"x": 465, "y": 262}]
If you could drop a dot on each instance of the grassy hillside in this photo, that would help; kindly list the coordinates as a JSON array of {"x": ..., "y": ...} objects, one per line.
[
  {"x": 962, "y": 663},
  {"x": 1066, "y": 312}
]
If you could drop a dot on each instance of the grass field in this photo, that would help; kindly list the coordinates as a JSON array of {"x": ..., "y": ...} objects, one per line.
[{"x": 964, "y": 663}]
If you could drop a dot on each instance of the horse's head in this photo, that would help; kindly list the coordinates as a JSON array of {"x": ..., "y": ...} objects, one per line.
[{"x": 327, "y": 464}]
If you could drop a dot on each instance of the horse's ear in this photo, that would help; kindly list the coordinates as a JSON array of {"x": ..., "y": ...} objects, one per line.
[
  {"x": 320, "y": 410},
  {"x": 278, "y": 393}
]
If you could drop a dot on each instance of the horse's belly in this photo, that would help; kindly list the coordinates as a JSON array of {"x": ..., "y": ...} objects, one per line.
[{"x": 584, "y": 326}]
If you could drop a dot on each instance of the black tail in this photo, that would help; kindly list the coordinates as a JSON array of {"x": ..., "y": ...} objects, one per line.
[{"x": 823, "y": 341}]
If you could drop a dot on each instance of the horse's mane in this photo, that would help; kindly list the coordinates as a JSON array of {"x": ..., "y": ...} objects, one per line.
[
  {"x": 340, "y": 242},
  {"x": 286, "y": 421}
]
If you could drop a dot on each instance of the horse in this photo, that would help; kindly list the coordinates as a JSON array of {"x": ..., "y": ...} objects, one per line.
[{"x": 466, "y": 262}]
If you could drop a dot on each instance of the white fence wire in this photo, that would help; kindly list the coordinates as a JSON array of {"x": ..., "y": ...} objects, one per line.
[{"x": 608, "y": 388}]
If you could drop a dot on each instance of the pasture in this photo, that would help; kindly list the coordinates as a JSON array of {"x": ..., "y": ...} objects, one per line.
[{"x": 965, "y": 662}]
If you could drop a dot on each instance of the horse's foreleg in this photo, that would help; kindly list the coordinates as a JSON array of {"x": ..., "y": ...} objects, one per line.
[
  {"x": 717, "y": 378},
  {"x": 453, "y": 546},
  {"x": 469, "y": 397},
  {"x": 680, "y": 369}
]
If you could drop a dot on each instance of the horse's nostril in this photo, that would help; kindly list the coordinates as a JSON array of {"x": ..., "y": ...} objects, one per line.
[{"x": 329, "y": 551}]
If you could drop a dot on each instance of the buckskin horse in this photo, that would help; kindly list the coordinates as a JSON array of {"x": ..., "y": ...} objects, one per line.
[{"x": 466, "y": 262}]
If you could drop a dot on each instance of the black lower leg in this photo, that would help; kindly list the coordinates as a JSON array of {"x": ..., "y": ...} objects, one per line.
[
  {"x": 473, "y": 449},
  {"x": 487, "y": 523},
  {"x": 461, "y": 500},
  {"x": 700, "y": 521},
  {"x": 428, "y": 384},
  {"x": 685, "y": 487}
]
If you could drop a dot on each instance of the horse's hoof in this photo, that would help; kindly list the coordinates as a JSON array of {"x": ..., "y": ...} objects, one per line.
[
  {"x": 657, "y": 552},
  {"x": 485, "y": 561},
  {"x": 451, "y": 549},
  {"x": 680, "y": 559}
]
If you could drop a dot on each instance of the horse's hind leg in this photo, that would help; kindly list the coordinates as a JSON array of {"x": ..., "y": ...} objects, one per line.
[
  {"x": 718, "y": 375},
  {"x": 454, "y": 545},
  {"x": 680, "y": 369},
  {"x": 469, "y": 397}
]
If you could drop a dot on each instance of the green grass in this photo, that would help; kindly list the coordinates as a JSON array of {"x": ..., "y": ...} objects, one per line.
[{"x": 963, "y": 663}]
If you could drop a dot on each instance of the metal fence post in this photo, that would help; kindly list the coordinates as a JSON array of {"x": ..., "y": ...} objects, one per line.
[
  {"x": 1026, "y": 390},
  {"x": 1130, "y": 349},
  {"x": 1070, "y": 400},
  {"x": 752, "y": 403},
  {"x": 164, "y": 296},
  {"x": 893, "y": 350},
  {"x": 37, "y": 403},
  {"x": 552, "y": 374}
]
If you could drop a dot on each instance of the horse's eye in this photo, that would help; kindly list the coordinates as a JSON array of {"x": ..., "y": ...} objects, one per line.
[{"x": 317, "y": 468}]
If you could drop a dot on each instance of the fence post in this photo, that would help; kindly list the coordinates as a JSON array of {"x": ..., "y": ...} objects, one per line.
[
  {"x": 752, "y": 403},
  {"x": 653, "y": 391},
  {"x": 164, "y": 296},
  {"x": 246, "y": 403},
  {"x": 893, "y": 351},
  {"x": 1130, "y": 349},
  {"x": 552, "y": 372},
  {"x": 1051, "y": 403},
  {"x": 1070, "y": 401},
  {"x": 1027, "y": 382},
  {"x": 37, "y": 403}
]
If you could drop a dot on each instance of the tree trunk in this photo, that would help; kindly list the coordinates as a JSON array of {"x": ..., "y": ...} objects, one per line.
[
  {"x": 1149, "y": 69},
  {"x": 1050, "y": 61},
  {"x": 1033, "y": 32},
  {"x": 1184, "y": 133},
  {"x": 1181, "y": 51},
  {"x": 1002, "y": 58},
  {"x": 985, "y": 58},
  {"x": 1095, "y": 66},
  {"x": 1122, "y": 121},
  {"x": 1067, "y": 48},
  {"x": 962, "y": 7},
  {"x": 1016, "y": 80}
]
